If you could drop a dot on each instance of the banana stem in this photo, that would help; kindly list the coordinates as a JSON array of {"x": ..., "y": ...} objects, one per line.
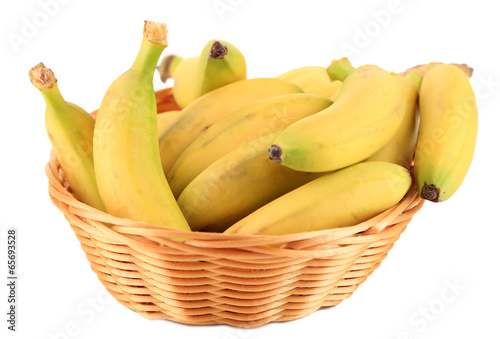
[
  {"x": 41, "y": 77},
  {"x": 415, "y": 78},
  {"x": 156, "y": 32},
  {"x": 52, "y": 96},
  {"x": 340, "y": 69},
  {"x": 153, "y": 43},
  {"x": 44, "y": 80}
]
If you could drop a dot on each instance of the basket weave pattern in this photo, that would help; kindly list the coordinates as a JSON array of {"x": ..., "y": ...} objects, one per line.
[{"x": 237, "y": 280}]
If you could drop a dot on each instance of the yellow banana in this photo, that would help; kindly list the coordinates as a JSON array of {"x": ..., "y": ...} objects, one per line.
[
  {"x": 448, "y": 131},
  {"x": 366, "y": 116},
  {"x": 401, "y": 149},
  {"x": 263, "y": 117},
  {"x": 126, "y": 154},
  {"x": 219, "y": 63},
  {"x": 163, "y": 119},
  {"x": 211, "y": 107},
  {"x": 70, "y": 130},
  {"x": 343, "y": 198},
  {"x": 312, "y": 80},
  {"x": 236, "y": 185}
]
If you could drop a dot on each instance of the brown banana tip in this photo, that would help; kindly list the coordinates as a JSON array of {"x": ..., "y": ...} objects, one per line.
[
  {"x": 218, "y": 50},
  {"x": 430, "y": 192},
  {"x": 156, "y": 32},
  {"x": 164, "y": 67},
  {"x": 41, "y": 77},
  {"x": 275, "y": 153},
  {"x": 470, "y": 71}
]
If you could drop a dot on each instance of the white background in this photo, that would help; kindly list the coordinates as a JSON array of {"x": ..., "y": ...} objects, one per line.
[{"x": 89, "y": 43}]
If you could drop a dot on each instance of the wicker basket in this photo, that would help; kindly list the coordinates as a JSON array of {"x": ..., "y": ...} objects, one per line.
[{"x": 216, "y": 278}]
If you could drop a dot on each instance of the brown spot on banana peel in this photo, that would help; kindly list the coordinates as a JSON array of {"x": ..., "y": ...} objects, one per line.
[
  {"x": 275, "y": 153},
  {"x": 218, "y": 50},
  {"x": 430, "y": 192}
]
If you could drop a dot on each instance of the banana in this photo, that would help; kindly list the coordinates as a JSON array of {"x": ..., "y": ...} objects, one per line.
[
  {"x": 211, "y": 107},
  {"x": 366, "y": 116},
  {"x": 263, "y": 117},
  {"x": 126, "y": 155},
  {"x": 236, "y": 185},
  {"x": 401, "y": 149},
  {"x": 219, "y": 63},
  {"x": 448, "y": 131},
  {"x": 312, "y": 79},
  {"x": 343, "y": 198},
  {"x": 163, "y": 119},
  {"x": 70, "y": 130}
]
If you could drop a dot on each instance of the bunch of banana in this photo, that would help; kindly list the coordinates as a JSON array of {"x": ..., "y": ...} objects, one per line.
[
  {"x": 211, "y": 107},
  {"x": 263, "y": 117},
  {"x": 311, "y": 149},
  {"x": 219, "y": 64},
  {"x": 237, "y": 184}
]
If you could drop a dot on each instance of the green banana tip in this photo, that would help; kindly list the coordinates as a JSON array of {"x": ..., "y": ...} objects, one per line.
[
  {"x": 275, "y": 153},
  {"x": 156, "y": 32},
  {"x": 218, "y": 50},
  {"x": 339, "y": 69},
  {"x": 41, "y": 77},
  {"x": 415, "y": 78}
]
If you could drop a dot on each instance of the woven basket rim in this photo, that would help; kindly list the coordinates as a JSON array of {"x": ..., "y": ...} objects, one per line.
[{"x": 129, "y": 230}]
